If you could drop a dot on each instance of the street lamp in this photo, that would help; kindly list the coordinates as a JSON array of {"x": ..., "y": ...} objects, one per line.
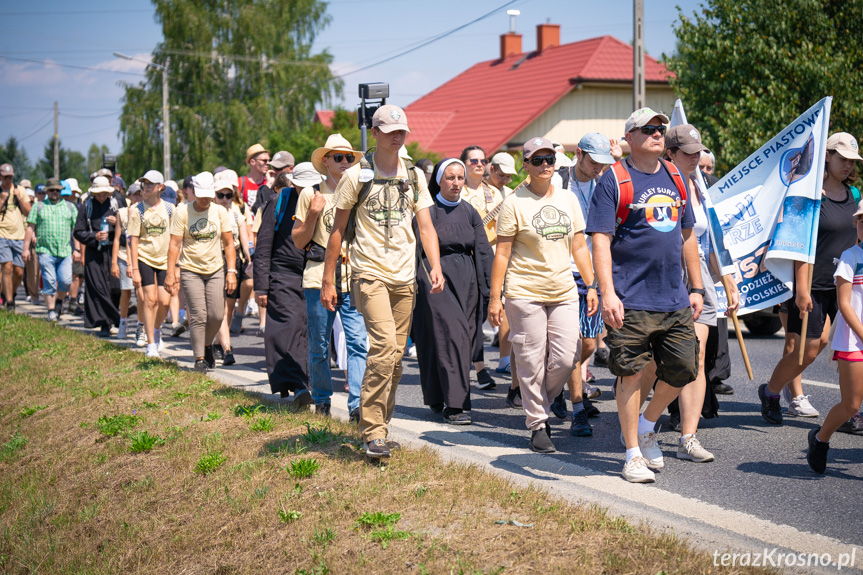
[{"x": 166, "y": 115}]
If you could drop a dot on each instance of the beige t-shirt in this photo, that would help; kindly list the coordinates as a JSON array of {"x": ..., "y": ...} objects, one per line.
[
  {"x": 122, "y": 228},
  {"x": 202, "y": 237},
  {"x": 543, "y": 228},
  {"x": 12, "y": 222},
  {"x": 314, "y": 273},
  {"x": 483, "y": 199},
  {"x": 153, "y": 233},
  {"x": 375, "y": 254}
]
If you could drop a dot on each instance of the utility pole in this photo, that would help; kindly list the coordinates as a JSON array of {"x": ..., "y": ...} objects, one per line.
[
  {"x": 638, "y": 54},
  {"x": 56, "y": 145}
]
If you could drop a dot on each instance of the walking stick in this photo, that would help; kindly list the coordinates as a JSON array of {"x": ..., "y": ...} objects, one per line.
[
  {"x": 805, "y": 322},
  {"x": 736, "y": 323}
]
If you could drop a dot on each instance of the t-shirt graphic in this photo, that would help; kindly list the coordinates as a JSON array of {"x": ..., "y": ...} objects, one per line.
[
  {"x": 203, "y": 230},
  {"x": 154, "y": 224},
  {"x": 328, "y": 217},
  {"x": 551, "y": 223},
  {"x": 387, "y": 207},
  {"x": 662, "y": 218}
]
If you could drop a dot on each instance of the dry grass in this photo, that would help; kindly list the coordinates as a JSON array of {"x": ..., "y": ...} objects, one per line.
[{"x": 229, "y": 484}]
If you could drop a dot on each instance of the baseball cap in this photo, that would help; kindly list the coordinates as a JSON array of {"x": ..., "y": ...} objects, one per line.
[
  {"x": 504, "y": 163},
  {"x": 7, "y": 170},
  {"x": 171, "y": 184},
  {"x": 135, "y": 188},
  {"x": 40, "y": 189},
  {"x": 253, "y": 151},
  {"x": 282, "y": 159},
  {"x": 685, "y": 137},
  {"x": 25, "y": 184},
  {"x": 859, "y": 211},
  {"x": 225, "y": 180},
  {"x": 54, "y": 184},
  {"x": 534, "y": 145},
  {"x": 153, "y": 177},
  {"x": 425, "y": 165},
  {"x": 845, "y": 144},
  {"x": 205, "y": 186},
  {"x": 169, "y": 194},
  {"x": 187, "y": 182},
  {"x": 597, "y": 147},
  {"x": 305, "y": 175},
  {"x": 390, "y": 118},
  {"x": 119, "y": 182},
  {"x": 641, "y": 117}
]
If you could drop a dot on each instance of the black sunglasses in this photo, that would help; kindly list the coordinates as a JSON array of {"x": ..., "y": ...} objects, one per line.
[
  {"x": 477, "y": 161},
  {"x": 650, "y": 130},
  {"x": 341, "y": 157},
  {"x": 222, "y": 196},
  {"x": 538, "y": 160}
]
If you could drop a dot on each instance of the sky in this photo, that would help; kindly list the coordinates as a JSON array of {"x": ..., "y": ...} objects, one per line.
[{"x": 62, "y": 51}]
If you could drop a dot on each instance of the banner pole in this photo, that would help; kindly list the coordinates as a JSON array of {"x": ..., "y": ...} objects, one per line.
[
  {"x": 802, "y": 350},
  {"x": 739, "y": 335}
]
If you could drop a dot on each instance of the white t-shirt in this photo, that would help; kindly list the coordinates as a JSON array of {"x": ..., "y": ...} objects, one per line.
[{"x": 850, "y": 268}]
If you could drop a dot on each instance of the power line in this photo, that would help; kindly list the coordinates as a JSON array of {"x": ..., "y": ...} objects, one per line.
[
  {"x": 65, "y": 115},
  {"x": 51, "y": 63},
  {"x": 39, "y": 129}
]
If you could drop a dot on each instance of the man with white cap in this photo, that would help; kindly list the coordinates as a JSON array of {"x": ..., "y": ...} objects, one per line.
[
  {"x": 636, "y": 217},
  {"x": 258, "y": 158},
  {"x": 380, "y": 198},
  {"x": 312, "y": 225},
  {"x": 14, "y": 208}
]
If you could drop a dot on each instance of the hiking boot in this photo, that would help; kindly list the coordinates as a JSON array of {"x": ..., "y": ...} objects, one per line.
[
  {"x": 237, "y": 323},
  {"x": 600, "y": 357},
  {"x": 393, "y": 445},
  {"x": 376, "y": 448},
  {"x": 354, "y": 416},
  {"x": 228, "y": 358},
  {"x": 580, "y": 426},
  {"x": 558, "y": 406},
  {"x": 722, "y": 389},
  {"x": 513, "y": 398},
  {"x": 484, "y": 379},
  {"x": 140, "y": 336},
  {"x": 650, "y": 450},
  {"x": 208, "y": 356},
  {"x": 591, "y": 391},
  {"x": 201, "y": 365},
  {"x": 177, "y": 329},
  {"x": 104, "y": 331},
  {"x": 817, "y": 454},
  {"x": 801, "y": 407},
  {"x": 52, "y": 315},
  {"x": 79, "y": 310},
  {"x": 455, "y": 416},
  {"x": 323, "y": 409},
  {"x": 691, "y": 450},
  {"x": 770, "y": 409},
  {"x": 541, "y": 442},
  {"x": 302, "y": 398},
  {"x": 437, "y": 408},
  {"x": 854, "y": 426},
  {"x": 636, "y": 471},
  {"x": 218, "y": 351},
  {"x": 592, "y": 410},
  {"x": 121, "y": 331}
]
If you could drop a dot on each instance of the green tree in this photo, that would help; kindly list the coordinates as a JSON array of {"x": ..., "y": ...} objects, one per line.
[
  {"x": 12, "y": 153},
  {"x": 94, "y": 157},
  {"x": 746, "y": 68},
  {"x": 73, "y": 164},
  {"x": 239, "y": 72}
]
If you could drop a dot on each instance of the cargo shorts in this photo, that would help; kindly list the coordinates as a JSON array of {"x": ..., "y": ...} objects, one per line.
[{"x": 667, "y": 337}]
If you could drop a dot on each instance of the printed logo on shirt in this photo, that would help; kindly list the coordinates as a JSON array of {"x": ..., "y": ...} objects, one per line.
[
  {"x": 203, "y": 230},
  {"x": 328, "y": 218},
  {"x": 662, "y": 218},
  {"x": 385, "y": 208},
  {"x": 552, "y": 224},
  {"x": 154, "y": 225},
  {"x": 477, "y": 204}
]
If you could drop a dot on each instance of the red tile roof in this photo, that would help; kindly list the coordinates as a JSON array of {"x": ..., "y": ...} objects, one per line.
[
  {"x": 325, "y": 117},
  {"x": 492, "y": 101}
]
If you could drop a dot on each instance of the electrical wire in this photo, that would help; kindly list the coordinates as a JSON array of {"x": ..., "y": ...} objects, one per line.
[
  {"x": 37, "y": 130},
  {"x": 51, "y": 63}
]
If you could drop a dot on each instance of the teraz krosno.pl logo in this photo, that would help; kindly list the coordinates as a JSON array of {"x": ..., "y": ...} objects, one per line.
[{"x": 776, "y": 557}]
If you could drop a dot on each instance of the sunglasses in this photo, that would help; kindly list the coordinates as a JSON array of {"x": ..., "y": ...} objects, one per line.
[
  {"x": 227, "y": 196},
  {"x": 477, "y": 161},
  {"x": 538, "y": 160},
  {"x": 339, "y": 158},
  {"x": 650, "y": 130}
]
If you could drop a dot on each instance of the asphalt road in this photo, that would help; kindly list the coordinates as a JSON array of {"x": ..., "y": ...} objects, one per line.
[{"x": 760, "y": 477}]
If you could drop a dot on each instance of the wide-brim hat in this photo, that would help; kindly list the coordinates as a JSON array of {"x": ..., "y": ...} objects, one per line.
[
  {"x": 305, "y": 176},
  {"x": 53, "y": 184},
  {"x": 335, "y": 143},
  {"x": 100, "y": 185},
  {"x": 73, "y": 185}
]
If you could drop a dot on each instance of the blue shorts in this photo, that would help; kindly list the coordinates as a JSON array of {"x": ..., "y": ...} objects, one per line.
[
  {"x": 10, "y": 251},
  {"x": 590, "y": 327}
]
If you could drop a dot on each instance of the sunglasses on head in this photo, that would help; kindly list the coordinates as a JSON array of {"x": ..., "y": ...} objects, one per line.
[
  {"x": 225, "y": 196},
  {"x": 538, "y": 160},
  {"x": 650, "y": 130},
  {"x": 339, "y": 158},
  {"x": 477, "y": 161}
]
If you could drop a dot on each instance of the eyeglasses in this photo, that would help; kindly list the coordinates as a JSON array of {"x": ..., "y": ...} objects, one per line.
[
  {"x": 339, "y": 158},
  {"x": 538, "y": 160},
  {"x": 227, "y": 196},
  {"x": 477, "y": 161},
  {"x": 650, "y": 130}
]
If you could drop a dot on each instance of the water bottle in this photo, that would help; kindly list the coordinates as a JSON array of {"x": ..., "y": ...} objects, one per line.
[
  {"x": 105, "y": 228},
  {"x": 251, "y": 248}
]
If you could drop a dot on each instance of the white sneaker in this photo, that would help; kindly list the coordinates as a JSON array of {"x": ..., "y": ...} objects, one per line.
[
  {"x": 801, "y": 407},
  {"x": 691, "y": 450},
  {"x": 636, "y": 471},
  {"x": 121, "y": 331},
  {"x": 650, "y": 450},
  {"x": 152, "y": 350},
  {"x": 160, "y": 343},
  {"x": 412, "y": 351},
  {"x": 140, "y": 336}
]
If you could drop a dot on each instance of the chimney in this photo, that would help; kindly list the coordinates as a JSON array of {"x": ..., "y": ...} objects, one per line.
[
  {"x": 510, "y": 45},
  {"x": 547, "y": 36}
]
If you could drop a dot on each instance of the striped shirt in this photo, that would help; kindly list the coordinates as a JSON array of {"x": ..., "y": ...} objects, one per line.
[{"x": 54, "y": 224}]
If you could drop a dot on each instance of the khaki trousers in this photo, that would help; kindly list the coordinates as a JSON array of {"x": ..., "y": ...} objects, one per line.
[
  {"x": 205, "y": 298},
  {"x": 387, "y": 312}
]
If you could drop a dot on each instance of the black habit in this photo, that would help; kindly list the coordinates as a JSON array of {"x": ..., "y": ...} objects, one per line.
[
  {"x": 278, "y": 272},
  {"x": 446, "y": 325},
  {"x": 99, "y": 308}
]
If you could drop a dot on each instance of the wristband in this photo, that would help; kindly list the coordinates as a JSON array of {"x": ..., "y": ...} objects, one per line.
[
  {"x": 235, "y": 272},
  {"x": 699, "y": 291},
  {"x": 594, "y": 285}
]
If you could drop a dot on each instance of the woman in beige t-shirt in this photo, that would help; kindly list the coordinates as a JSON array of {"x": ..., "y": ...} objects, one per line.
[{"x": 538, "y": 228}]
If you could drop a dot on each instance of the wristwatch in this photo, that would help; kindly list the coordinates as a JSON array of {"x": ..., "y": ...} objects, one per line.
[
  {"x": 699, "y": 291},
  {"x": 594, "y": 285}
]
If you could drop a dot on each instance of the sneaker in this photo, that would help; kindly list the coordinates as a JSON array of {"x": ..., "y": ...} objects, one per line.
[
  {"x": 722, "y": 389},
  {"x": 177, "y": 329},
  {"x": 376, "y": 448},
  {"x": 636, "y": 471},
  {"x": 600, "y": 357},
  {"x": 484, "y": 379},
  {"x": 817, "y": 454},
  {"x": 513, "y": 398},
  {"x": 152, "y": 350},
  {"x": 104, "y": 331},
  {"x": 237, "y": 323},
  {"x": 52, "y": 315},
  {"x": 437, "y": 408},
  {"x": 201, "y": 365},
  {"x": 393, "y": 445},
  {"x": 801, "y": 407},
  {"x": 81, "y": 297},
  {"x": 591, "y": 379},
  {"x": 121, "y": 331},
  {"x": 58, "y": 307},
  {"x": 354, "y": 416},
  {"x": 303, "y": 398},
  {"x": 140, "y": 336},
  {"x": 541, "y": 442},
  {"x": 218, "y": 351},
  {"x": 412, "y": 351},
  {"x": 650, "y": 450},
  {"x": 770, "y": 410},
  {"x": 592, "y": 410},
  {"x": 580, "y": 426},
  {"x": 323, "y": 409},
  {"x": 591, "y": 391},
  {"x": 208, "y": 356},
  {"x": 228, "y": 358},
  {"x": 79, "y": 310},
  {"x": 854, "y": 426},
  {"x": 691, "y": 450},
  {"x": 558, "y": 406},
  {"x": 504, "y": 370},
  {"x": 455, "y": 416}
]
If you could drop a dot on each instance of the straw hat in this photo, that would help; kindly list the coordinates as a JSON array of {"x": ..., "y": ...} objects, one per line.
[
  {"x": 100, "y": 185},
  {"x": 335, "y": 143}
]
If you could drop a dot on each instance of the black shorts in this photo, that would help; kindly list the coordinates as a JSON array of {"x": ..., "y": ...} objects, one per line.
[
  {"x": 150, "y": 276},
  {"x": 669, "y": 337},
  {"x": 824, "y": 304},
  {"x": 241, "y": 275}
]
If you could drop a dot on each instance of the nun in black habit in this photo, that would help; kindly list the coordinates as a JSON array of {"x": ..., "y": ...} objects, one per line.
[
  {"x": 99, "y": 308},
  {"x": 278, "y": 276},
  {"x": 445, "y": 325}
]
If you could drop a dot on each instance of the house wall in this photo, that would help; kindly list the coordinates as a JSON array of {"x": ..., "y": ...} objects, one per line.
[{"x": 592, "y": 108}]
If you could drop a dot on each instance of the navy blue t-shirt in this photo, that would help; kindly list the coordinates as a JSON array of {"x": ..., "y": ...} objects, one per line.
[{"x": 646, "y": 249}]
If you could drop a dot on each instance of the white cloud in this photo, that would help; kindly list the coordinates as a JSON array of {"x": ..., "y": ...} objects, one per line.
[{"x": 122, "y": 65}]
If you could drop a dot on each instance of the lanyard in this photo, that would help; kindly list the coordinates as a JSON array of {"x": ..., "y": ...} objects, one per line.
[{"x": 575, "y": 186}]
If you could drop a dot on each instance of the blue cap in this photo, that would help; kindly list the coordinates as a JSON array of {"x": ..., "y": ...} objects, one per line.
[
  {"x": 598, "y": 147},
  {"x": 169, "y": 194},
  {"x": 67, "y": 189},
  {"x": 40, "y": 188}
]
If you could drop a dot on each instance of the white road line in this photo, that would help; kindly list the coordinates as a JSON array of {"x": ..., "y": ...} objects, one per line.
[{"x": 820, "y": 383}]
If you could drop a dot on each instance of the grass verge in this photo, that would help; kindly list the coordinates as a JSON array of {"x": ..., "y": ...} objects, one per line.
[{"x": 113, "y": 463}]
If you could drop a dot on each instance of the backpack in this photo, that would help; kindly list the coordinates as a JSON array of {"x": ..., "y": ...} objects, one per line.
[
  {"x": 89, "y": 209},
  {"x": 73, "y": 209},
  {"x": 856, "y": 193},
  {"x": 625, "y": 190},
  {"x": 168, "y": 206}
]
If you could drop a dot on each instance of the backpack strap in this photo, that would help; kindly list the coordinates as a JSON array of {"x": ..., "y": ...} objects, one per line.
[
  {"x": 625, "y": 190},
  {"x": 855, "y": 193},
  {"x": 243, "y": 189}
]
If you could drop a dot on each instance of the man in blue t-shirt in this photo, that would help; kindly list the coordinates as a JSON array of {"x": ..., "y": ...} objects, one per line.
[{"x": 645, "y": 304}]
